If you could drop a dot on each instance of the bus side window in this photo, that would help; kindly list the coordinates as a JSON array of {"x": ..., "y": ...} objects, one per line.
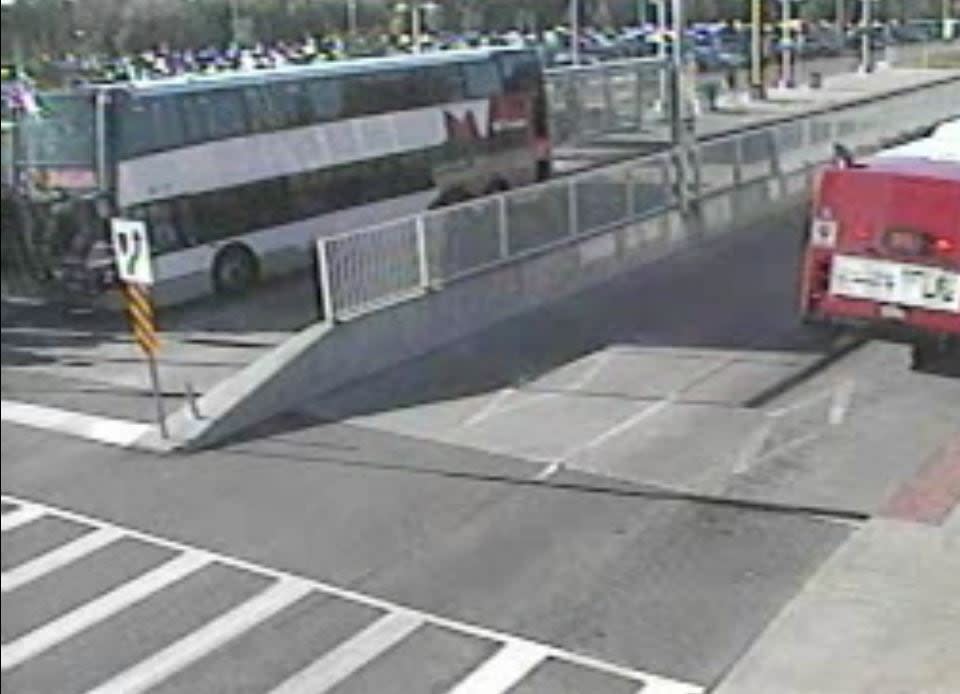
[
  {"x": 325, "y": 97},
  {"x": 442, "y": 84},
  {"x": 228, "y": 116},
  {"x": 197, "y": 114},
  {"x": 392, "y": 90},
  {"x": 168, "y": 130},
  {"x": 265, "y": 116},
  {"x": 482, "y": 80},
  {"x": 162, "y": 225},
  {"x": 521, "y": 72},
  {"x": 136, "y": 127}
]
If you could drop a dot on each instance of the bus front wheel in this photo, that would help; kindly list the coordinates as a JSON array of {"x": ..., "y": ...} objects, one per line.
[{"x": 235, "y": 270}]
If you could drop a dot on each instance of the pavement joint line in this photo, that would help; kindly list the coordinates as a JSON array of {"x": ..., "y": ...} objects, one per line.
[
  {"x": 336, "y": 665},
  {"x": 179, "y": 655},
  {"x": 115, "y": 432},
  {"x": 22, "y": 516},
  {"x": 502, "y": 671},
  {"x": 58, "y": 558},
  {"x": 647, "y": 412},
  {"x": 99, "y": 609},
  {"x": 489, "y": 409},
  {"x": 204, "y": 557}
]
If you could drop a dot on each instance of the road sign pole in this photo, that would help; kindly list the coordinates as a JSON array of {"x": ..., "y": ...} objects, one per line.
[
  {"x": 143, "y": 326},
  {"x": 158, "y": 395}
]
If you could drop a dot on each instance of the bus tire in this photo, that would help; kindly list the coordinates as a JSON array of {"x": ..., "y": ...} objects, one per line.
[{"x": 235, "y": 270}]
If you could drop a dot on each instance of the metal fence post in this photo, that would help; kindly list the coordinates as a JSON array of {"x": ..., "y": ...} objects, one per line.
[
  {"x": 738, "y": 160},
  {"x": 573, "y": 209},
  {"x": 423, "y": 259},
  {"x": 503, "y": 226},
  {"x": 327, "y": 304},
  {"x": 631, "y": 196}
]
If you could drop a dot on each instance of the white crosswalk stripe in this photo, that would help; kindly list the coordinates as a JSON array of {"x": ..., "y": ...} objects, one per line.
[
  {"x": 337, "y": 665},
  {"x": 85, "y": 616},
  {"x": 515, "y": 660},
  {"x": 22, "y": 516},
  {"x": 191, "y": 648},
  {"x": 58, "y": 558},
  {"x": 505, "y": 669}
]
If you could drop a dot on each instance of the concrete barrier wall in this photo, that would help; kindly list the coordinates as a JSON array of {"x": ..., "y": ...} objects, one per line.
[{"x": 322, "y": 358}]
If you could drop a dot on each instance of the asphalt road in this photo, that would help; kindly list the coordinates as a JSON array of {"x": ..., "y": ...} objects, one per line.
[{"x": 639, "y": 477}]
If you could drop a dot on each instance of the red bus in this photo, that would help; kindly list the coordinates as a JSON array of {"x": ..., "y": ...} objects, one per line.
[{"x": 883, "y": 249}]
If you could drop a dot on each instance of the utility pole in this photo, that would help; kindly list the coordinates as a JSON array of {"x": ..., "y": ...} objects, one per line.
[{"x": 840, "y": 13}]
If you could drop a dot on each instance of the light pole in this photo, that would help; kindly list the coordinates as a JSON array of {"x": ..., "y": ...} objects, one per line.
[
  {"x": 662, "y": 49},
  {"x": 866, "y": 38},
  {"x": 786, "y": 47},
  {"x": 575, "y": 31},
  {"x": 756, "y": 49},
  {"x": 352, "y": 18}
]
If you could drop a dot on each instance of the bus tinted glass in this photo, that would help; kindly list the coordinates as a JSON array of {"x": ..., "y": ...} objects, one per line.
[{"x": 482, "y": 80}]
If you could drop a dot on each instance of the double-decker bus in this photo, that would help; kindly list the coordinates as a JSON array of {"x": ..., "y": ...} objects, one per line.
[
  {"x": 884, "y": 244},
  {"x": 237, "y": 175}
]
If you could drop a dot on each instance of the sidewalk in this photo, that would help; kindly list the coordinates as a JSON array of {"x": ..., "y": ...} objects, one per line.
[
  {"x": 881, "y": 617},
  {"x": 736, "y": 112}
]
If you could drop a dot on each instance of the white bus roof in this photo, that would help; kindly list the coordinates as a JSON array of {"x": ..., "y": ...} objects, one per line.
[{"x": 234, "y": 78}]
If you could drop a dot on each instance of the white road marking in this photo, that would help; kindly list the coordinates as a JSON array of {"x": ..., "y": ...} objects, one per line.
[
  {"x": 351, "y": 655},
  {"x": 842, "y": 400},
  {"x": 548, "y": 471},
  {"x": 115, "y": 432},
  {"x": 22, "y": 516},
  {"x": 57, "y": 558},
  {"x": 160, "y": 666},
  {"x": 505, "y": 669},
  {"x": 99, "y": 609},
  {"x": 645, "y": 413},
  {"x": 660, "y": 685},
  {"x": 489, "y": 409}
]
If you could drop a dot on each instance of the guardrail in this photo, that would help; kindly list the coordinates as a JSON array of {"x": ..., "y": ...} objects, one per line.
[{"x": 373, "y": 268}]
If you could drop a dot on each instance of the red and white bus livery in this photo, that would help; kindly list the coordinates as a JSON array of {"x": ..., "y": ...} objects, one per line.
[{"x": 884, "y": 244}]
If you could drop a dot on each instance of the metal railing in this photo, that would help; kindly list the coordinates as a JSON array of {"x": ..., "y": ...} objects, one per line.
[
  {"x": 366, "y": 270},
  {"x": 589, "y": 101}
]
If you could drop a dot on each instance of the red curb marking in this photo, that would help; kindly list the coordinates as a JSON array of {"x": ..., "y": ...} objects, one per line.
[{"x": 932, "y": 494}]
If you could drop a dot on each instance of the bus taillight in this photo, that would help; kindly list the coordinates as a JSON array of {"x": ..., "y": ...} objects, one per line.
[{"x": 944, "y": 246}]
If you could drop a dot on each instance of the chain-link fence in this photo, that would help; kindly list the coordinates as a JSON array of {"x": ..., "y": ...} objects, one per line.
[{"x": 365, "y": 270}]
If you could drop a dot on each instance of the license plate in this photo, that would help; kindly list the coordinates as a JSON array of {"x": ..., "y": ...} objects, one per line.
[{"x": 902, "y": 284}]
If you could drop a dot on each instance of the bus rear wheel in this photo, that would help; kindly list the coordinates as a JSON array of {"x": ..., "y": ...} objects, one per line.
[{"x": 235, "y": 270}]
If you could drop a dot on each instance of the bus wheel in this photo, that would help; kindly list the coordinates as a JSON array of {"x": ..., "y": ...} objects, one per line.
[{"x": 235, "y": 270}]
